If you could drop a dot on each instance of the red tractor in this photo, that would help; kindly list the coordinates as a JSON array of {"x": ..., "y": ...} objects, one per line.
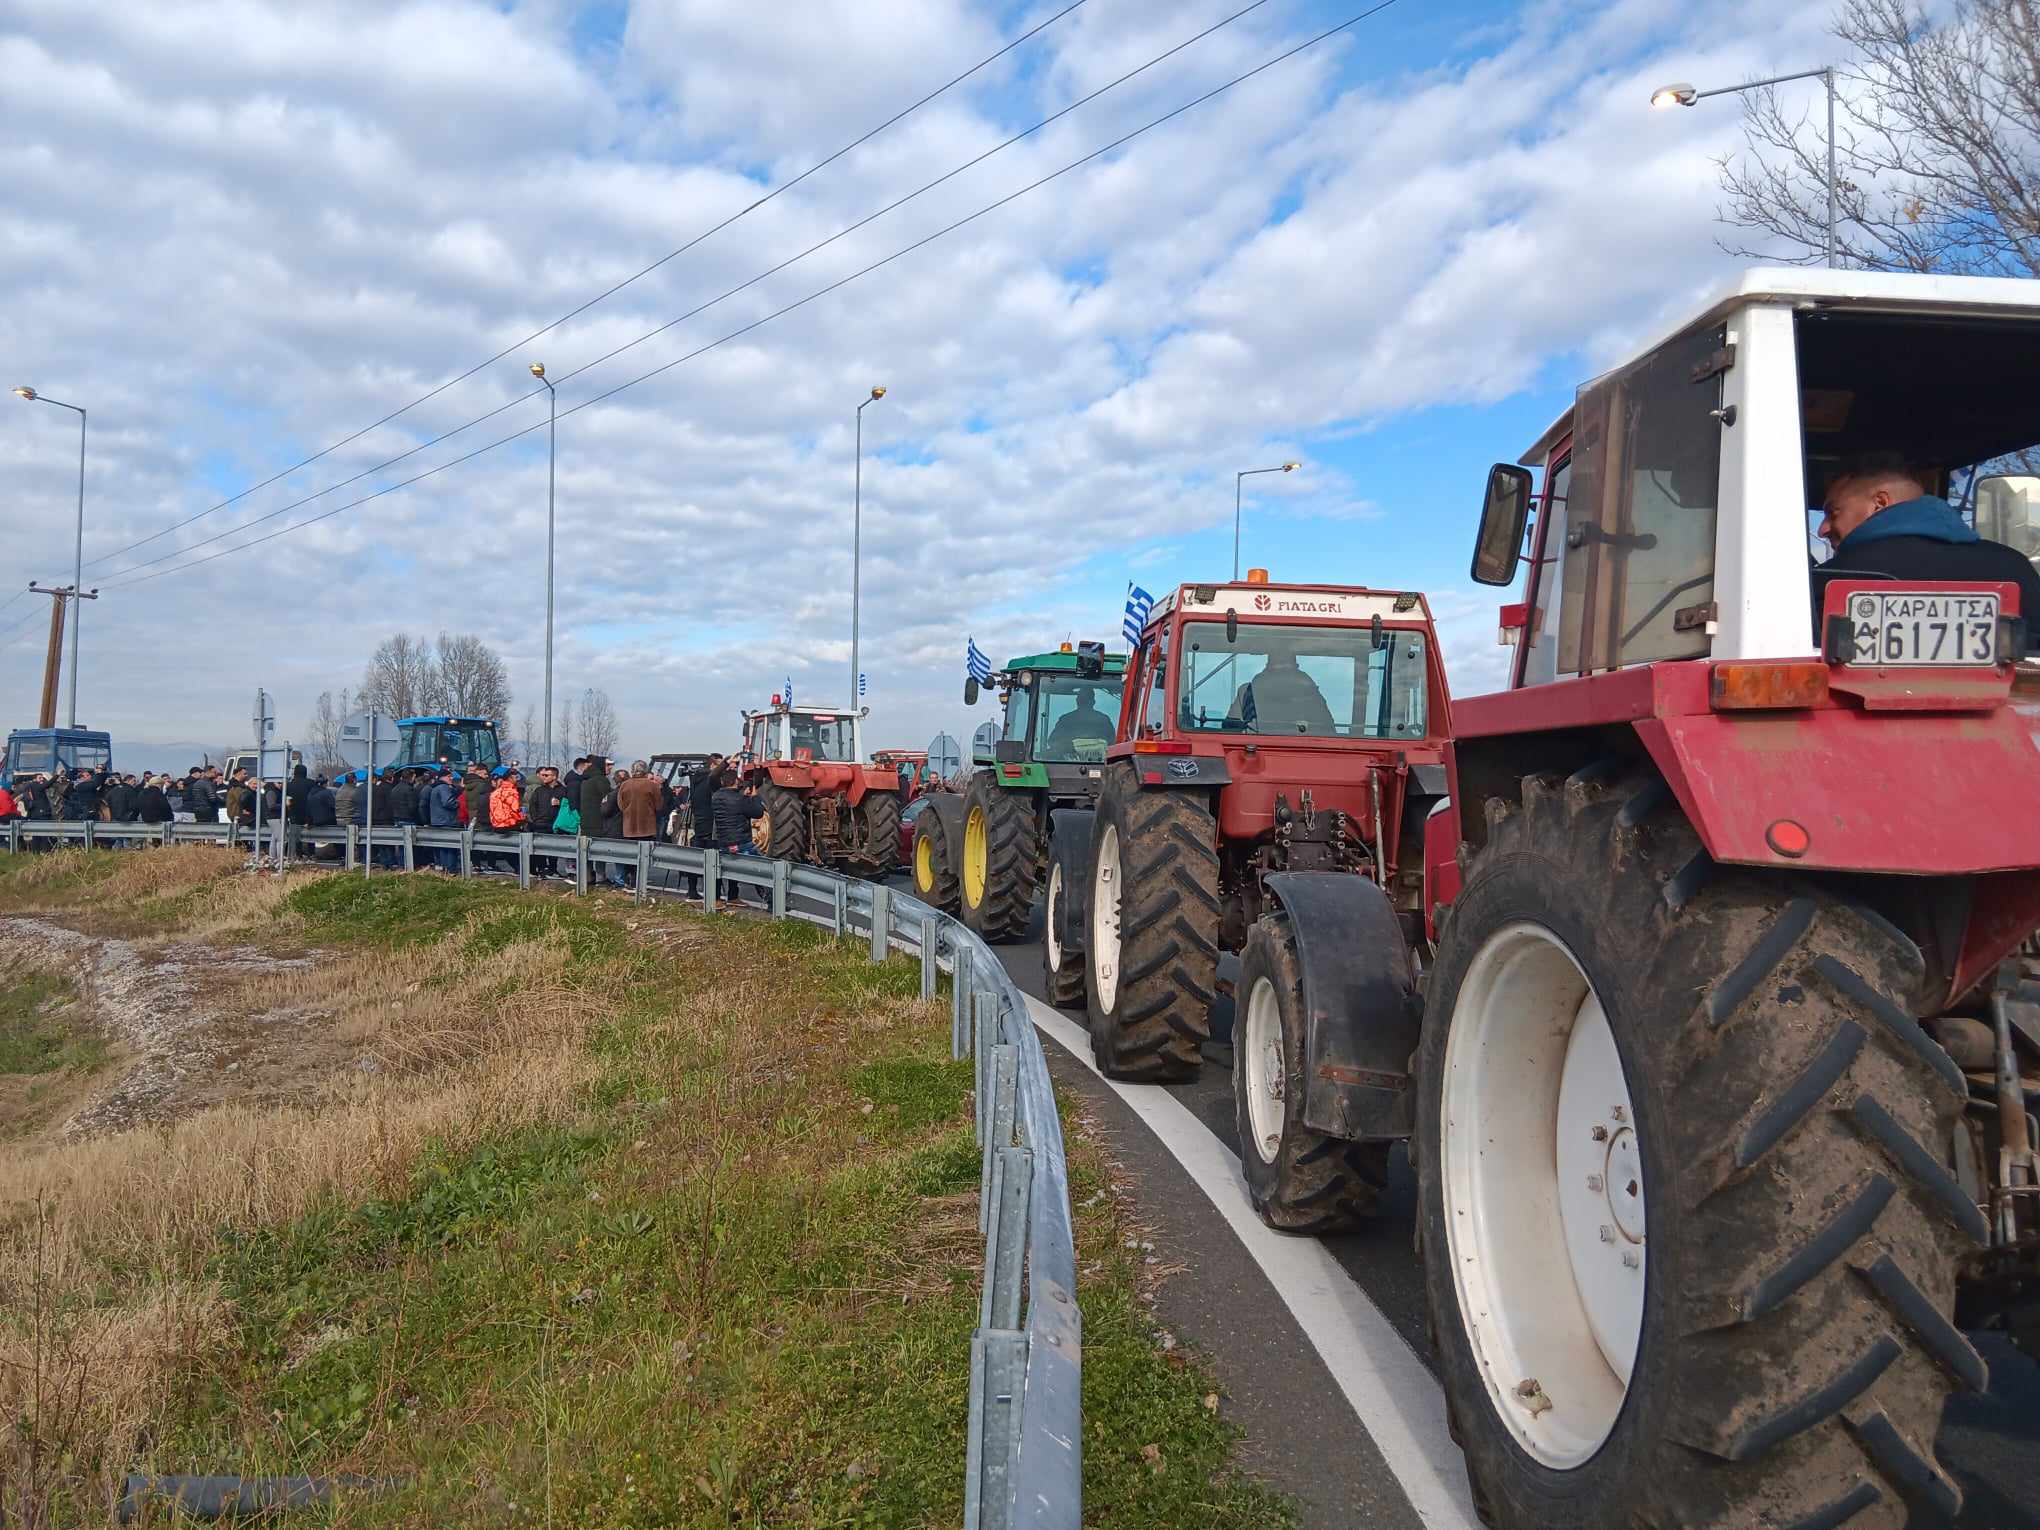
[
  {"x": 1275, "y": 744},
  {"x": 1718, "y": 1095},
  {"x": 822, "y": 804},
  {"x": 912, "y": 765}
]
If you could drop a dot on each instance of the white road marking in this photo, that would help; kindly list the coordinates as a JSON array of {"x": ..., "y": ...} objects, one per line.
[{"x": 1394, "y": 1396}]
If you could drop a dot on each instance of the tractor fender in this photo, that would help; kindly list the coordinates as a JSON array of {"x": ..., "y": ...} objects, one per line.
[
  {"x": 948, "y": 807},
  {"x": 1359, "y": 1001},
  {"x": 1069, "y": 846}
]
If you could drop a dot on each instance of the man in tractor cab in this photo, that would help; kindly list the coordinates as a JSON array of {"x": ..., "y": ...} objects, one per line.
[
  {"x": 1085, "y": 723},
  {"x": 1282, "y": 698},
  {"x": 1880, "y": 520}
]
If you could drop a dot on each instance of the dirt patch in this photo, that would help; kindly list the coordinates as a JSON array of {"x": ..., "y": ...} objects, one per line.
[{"x": 175, "y": 1049}]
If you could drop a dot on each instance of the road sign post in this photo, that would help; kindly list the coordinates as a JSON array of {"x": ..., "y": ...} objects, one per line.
[{"x": 368, "y": 742}]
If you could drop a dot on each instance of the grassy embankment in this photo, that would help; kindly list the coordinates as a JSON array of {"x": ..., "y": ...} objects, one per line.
[{"x": 622, "y": 1216}]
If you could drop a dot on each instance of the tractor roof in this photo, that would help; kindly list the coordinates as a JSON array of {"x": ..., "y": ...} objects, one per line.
[
  {"x": 779, "y": 709},
  {"x": 459, "y": 722},
  {"x": 1810, "y": 287},
  {"x": 1322, "y": 602},
  {"x": 1115, "y": 663}
]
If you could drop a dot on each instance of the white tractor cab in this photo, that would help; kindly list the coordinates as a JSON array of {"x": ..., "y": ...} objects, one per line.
[
  {"x": 1731, "y": 1017},
  {"x": 782, "y": 732}
]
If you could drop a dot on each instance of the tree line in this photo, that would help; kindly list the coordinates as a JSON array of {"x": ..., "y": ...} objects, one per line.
[{"x": 459, "y": 676}]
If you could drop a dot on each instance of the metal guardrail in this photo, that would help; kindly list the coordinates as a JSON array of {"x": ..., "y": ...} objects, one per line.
[{"x": 1025, "y": 1465}]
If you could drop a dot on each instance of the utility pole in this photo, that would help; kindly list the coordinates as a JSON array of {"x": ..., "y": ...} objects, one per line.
[{"x": 53, "y": 664}]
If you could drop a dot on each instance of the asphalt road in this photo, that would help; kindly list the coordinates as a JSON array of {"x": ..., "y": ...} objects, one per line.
[{"x": 1300, "y": 1435}]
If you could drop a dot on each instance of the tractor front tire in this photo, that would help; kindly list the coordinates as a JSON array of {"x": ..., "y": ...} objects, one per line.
[
  {"x": 1299, "y": 1180},
  {"x": 1689, "y": 1231},
  {"x": 934, "y": 862},
  {"x": 1062, "y": 915},
  {"x": 1000, "y": 859},
  {"x": 783, "y": 832},
  {"x": 1152, "y": 953},
  {"x": 880, "y": 812}
]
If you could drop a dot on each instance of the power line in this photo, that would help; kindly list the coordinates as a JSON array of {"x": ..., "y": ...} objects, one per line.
[
  {"x": 609, "y": 292},
  {"x": 819, "y": 292},
  {"x": 695, "y": 312}
]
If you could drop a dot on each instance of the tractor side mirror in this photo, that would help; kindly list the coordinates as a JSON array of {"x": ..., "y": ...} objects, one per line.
[
  {"x": 970, "y": 692},
  {"x": 1503, "y": 515},
  {"x": 1232, "y": 625},
  {"x": 1090, "y": 660}
]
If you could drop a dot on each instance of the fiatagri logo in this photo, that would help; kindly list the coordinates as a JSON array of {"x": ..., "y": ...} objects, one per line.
[{"x": 1281, "y": 606}]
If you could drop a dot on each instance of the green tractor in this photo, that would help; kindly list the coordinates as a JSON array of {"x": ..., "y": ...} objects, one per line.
[{"x": 980, "y": 852}]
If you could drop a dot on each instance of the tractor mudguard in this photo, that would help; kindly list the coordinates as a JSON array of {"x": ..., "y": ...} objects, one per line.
[
  {"x": 1069, "y": 843},
  {"x": 1360, "y": 1003},
  {"x": 948, "y": 806}
]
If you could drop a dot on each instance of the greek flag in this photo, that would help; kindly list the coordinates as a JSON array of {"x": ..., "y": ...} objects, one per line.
[
  {"x": 1138, "y": 604},
  {"x": 789, "y": 690},
  {"x": 977, "y": 663}
]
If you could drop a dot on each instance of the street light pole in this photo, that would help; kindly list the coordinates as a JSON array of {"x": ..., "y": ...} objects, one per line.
[
  {"x": 78, "y": 550},
  {"x": 857, "y": 538},
  {"x": 1686, "y": 95},
  {"x": 1239, "y": 478},
  {"x": 552, "y": 458}
]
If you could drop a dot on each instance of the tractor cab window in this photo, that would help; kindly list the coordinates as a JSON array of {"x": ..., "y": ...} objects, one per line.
[
  {"x": 1154, "y": 717},
  {"x": 825, "y": 738},
  {"x": 1955, "y": 398},
  {"x": 1019, "y": 702},
  {"x": 1317, "y": 682},
  {"x": 458, "y": 744},
  {"x": 1077, "y": 718},
  {"x": 31, "y": 756},
  {"x": 758, "y": 741},
  {"x": 1637, "y": 580}
]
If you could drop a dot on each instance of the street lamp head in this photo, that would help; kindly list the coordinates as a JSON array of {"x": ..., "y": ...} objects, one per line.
[
  {"x": 1290, "y": 467},
  {"x": 28, "y": 393},
  {"x": 878, "y": 392},
  {"x": 538, "y": 369},
  {"x": 1673, "y": 95}
]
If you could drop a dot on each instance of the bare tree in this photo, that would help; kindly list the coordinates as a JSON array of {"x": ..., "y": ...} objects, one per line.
[
  {"x": 563, "y": 733},
  {"x": 322, "y": 734},
  {"x": 598, "y": 723},
  {"x": 1937, "y": 147},
  {"x": 401, "y": 679},
  {"x": 471, "y": 676},
  {"x": 529, "y": 744}
]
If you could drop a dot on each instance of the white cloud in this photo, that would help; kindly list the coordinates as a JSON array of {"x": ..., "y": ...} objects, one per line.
[{"x": 237, "y": 233}]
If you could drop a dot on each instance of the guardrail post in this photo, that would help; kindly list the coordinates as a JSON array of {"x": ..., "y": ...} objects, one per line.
[
  {"x": 711, "y": 869},
  {"x": 580, "y": 865},
  {"x": 88, "y": 833},
  {"x": 984, "y": 1027},
  {"x": 780, "y": 872},
  {"x": 959, "y": 1001},
  {"x": 1006, "y": 1237},
  {"x": 881, "y": 922},
  {"x": 644, "y": 871},
  {"x": 14, "y": 836},
  {"x": 998, "y": 1374},
  {"x": 931, "y": 936},
  {"x": 997, "y": 1115},
  {"x": 410, "y": 847},
  {"x": 524, "y": 860},
  {"x": 353, "y": 847},
  {"x": 842, "y": 909},
  {"x": 467, "y": 851}
]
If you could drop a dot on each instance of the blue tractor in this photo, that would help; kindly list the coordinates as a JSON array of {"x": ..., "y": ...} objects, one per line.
[
  {"x": 36, "y": 751},
  {"x": 455, "y": 741}
]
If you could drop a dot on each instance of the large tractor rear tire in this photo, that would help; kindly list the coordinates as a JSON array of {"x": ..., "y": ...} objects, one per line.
[
  {"x": 881, "y": 814},
  {"x": 783, "y": 832},
  {"x": 1299, "y": 1180},
  {"x": 1689, "y": 1230},
  {"x": 935, "y": 882},
  {"x": 1152, "y": 963},
  {"x": 1000, "y": 859}
]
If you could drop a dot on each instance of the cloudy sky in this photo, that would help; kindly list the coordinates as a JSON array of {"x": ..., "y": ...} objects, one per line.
[{"x": 240, "y": 233}]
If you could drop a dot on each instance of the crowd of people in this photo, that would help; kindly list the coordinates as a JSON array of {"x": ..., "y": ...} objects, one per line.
[{"x": 591, "y": 798}]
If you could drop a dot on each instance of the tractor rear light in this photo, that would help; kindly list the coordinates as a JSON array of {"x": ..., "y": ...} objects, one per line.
[
  {"x": 1161, "y": 746},
  {"x": 1014, "y": 771},
  {"x": 1788, "y": 838},
  {"x": 1769, "y": 687}
]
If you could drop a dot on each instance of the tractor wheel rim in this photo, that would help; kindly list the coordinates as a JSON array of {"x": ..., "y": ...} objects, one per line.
[
  {"x": 761, "y": 836},
  {"x": 924, "y": 865},
  {"x": 1105, "y": 919},
  {"x": 976, "y": 855},
  {"x": 1543, "y": 1182},
  {"x": 1267, "y": 1079},
  {"x": 1051, "y": 910}
]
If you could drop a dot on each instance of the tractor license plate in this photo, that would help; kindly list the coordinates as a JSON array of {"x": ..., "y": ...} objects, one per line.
[{"x": 1907, "y": 628}]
